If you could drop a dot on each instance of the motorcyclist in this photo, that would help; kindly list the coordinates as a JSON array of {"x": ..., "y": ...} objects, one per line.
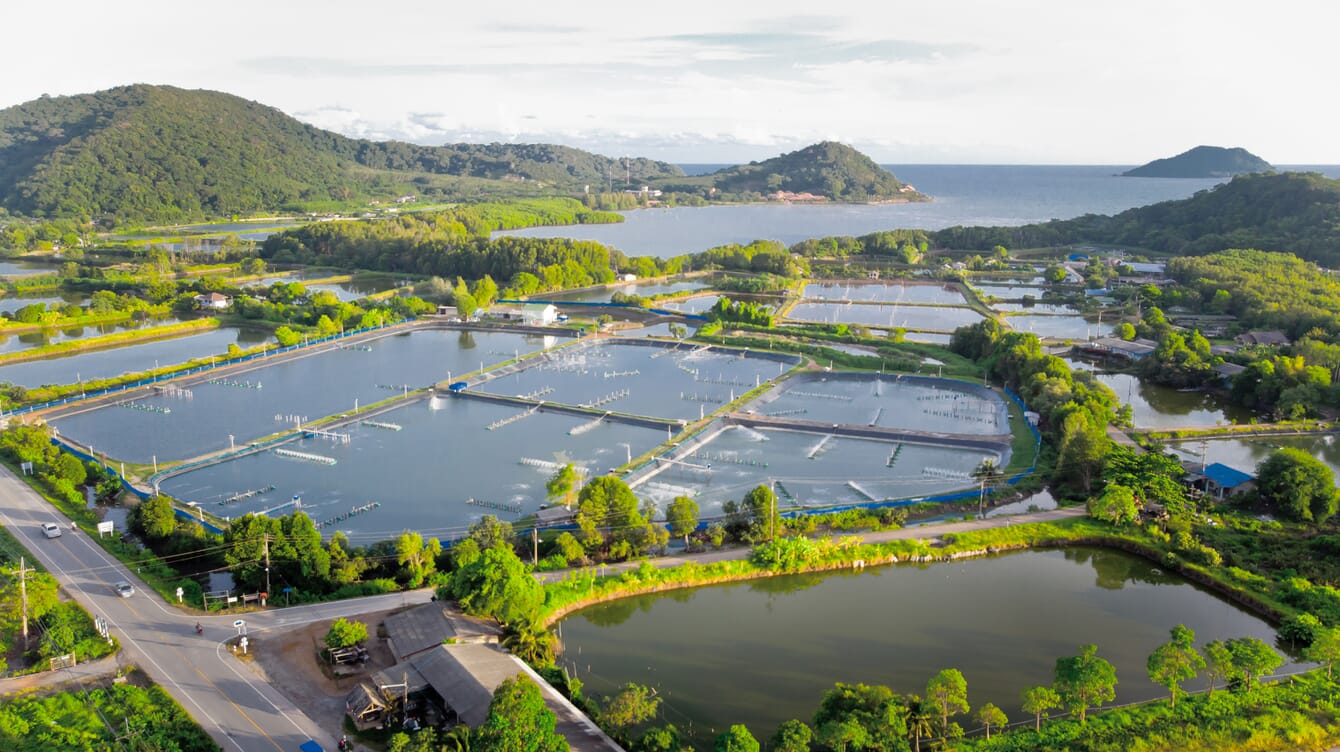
[{"x": 199, "y": 629}]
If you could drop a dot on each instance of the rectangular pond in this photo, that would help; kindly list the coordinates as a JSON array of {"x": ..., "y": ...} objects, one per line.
[
  {"x": 25, "y": 268},
  {"x": 696, "y": 304},
  {"x": 254, "y": 401},
  {"x": 885, "y": 292},
  {"x": 1246, "y": 454},
  {"x": 12, "y": 303},
  {"x": 1059, "y": 327},
  {"x": 761, "y": 652},
  {"x": 637, "y": 379},
  {"x": 644, "y": 289},
  {"x": 1048, "y": 309},
  {"x": 810, "y": 469},
  {"x": 420, "y": 477},
  {"x": 1156, "y": 406},
  {"x": 116, "y": 361},
  {"x": 1010, "y": 292},
  {"x": 42, "y": 337},
  {"x": 934, "y": 318},
  {"x": 890, "y": 401}
]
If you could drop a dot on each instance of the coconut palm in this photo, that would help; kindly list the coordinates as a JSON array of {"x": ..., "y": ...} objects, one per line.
[
  {"x": 988, "y": 474},
  {"x": 532, "y": 644}
]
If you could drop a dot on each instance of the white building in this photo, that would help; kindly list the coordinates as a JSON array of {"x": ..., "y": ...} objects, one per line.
[
  {"x": 213, "y": 301},
  {"x": 542, "y": 314}
]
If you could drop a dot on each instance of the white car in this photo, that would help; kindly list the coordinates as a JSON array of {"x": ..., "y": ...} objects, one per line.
[
  {"x": 50, "y": 529},
  {"x": 124, "y": 589}
]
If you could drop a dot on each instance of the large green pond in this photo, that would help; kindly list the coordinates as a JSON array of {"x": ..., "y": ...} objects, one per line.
[{"x": 764, "y": 651}]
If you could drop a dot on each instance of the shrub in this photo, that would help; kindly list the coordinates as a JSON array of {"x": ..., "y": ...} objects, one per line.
[{"x": 344, "y": 633}]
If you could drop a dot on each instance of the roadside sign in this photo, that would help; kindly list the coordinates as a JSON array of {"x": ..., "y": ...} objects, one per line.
[
  {"x": 180, "y": 593},
  {"x": 241, "y": 626}
]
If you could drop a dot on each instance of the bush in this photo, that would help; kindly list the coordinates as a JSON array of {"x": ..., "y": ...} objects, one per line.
[{"x": 344, "y": 633}]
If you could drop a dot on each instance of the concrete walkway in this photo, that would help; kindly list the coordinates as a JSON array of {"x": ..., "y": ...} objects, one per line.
[
  {"x": 94, "y": 669},
  {"x": 905, "y": 533}
]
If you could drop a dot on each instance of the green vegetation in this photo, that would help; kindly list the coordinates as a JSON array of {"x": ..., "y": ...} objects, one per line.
[
  {"x": 1202, "y": 162},
  {"x": 1290, "y": 211},
  {"x": 101, "y": 718},
  {"x": 158, "y": 153},
  {"x": 517, "y": 721},
  {"x": 832, "y": 170},
  {"x": 114, "y": 339},
  {"x": 344, "y": 633}
]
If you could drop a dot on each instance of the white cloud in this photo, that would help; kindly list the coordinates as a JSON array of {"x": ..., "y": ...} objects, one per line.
[{"x": 953, "y": 80}]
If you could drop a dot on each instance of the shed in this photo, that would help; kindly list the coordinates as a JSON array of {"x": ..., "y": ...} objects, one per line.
[
  {"x": 543, "y": 314},
  {"x": 465, "y": 676},
  {"x": 1221, "y": 481}
]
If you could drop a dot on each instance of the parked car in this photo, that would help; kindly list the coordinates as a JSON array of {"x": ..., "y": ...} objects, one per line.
[
  {"x": 124, "y": 589},
  {"x": 50, "y": 529}
]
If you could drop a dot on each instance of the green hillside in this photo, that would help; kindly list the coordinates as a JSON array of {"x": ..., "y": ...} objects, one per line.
[
  {"x": 158, "y": 153},
  {"x": 832, "y": 170},
  {"x": 1202, "y": 162},
  {"x": 1295, "y": 212}
]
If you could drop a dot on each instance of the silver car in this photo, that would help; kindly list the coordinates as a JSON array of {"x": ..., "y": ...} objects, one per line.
[
  {"x": 50, "y": 529},
  {"x": 124, "y": 589}
]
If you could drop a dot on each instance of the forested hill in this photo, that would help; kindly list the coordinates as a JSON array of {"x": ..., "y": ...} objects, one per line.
[
  {"x": 828, "y": 169},
  {"x": 1202, "y": 162},
  {"x": 159, "y": 153},
  {"x": 1294, "y": 212}
]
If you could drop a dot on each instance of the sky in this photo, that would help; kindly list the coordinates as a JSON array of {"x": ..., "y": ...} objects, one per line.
[{"x": 932, "y": 81}]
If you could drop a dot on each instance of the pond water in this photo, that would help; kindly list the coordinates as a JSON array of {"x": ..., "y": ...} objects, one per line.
[
  {"x": 931, "y": 338},
  {"x": 1011, "y": 292},
  {"x": 28, "y": 340},
  {"x": 1156, "y": 406},
  {"x": 644, "y": 289},
  {"x": 1246, "y": 454},
  {"x": 765, "y": 651},
  {"x": 101, "y": 364},
  {"x": 809, "y": 469},
  {"x": 9, "y": 305},
  {"x": 421, "y": 475},
  {"x": 891, "y": 402},
  {"x": 1059, "y": 327},
  {"x": 884, "y": 293},
  {"x": 354, "y": 289},
  {"x": 24, "y": 268},
  {"x": 638, "y": 379},
  {"x": 204, "y": 421},
  {"x": 1048, "y": 309},
  {"x": 935, "y": 318},
  {"x": 696, "y": 304}
]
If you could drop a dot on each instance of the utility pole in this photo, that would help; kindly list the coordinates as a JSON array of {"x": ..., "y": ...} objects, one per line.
[
  {"x": 772, "y": 509},
  {"x": 267, "y": 562},
  {"x": 23, "y": 596},
  {"x": 535, "y": 545}
]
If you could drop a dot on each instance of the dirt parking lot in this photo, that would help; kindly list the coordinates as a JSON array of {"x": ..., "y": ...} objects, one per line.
[{"x": 289, "y": 660}]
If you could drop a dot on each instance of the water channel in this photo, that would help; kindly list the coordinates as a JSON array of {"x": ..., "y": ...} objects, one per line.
[
  {"x": 765, "y": 651},
  {"x": 934, "y": 318}
]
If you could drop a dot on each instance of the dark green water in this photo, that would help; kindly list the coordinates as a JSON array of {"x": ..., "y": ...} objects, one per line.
[{"x": 762, "y": 652}]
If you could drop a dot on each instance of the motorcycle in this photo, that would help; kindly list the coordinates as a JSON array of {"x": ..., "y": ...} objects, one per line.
[
  {"x": 199, "y": 629},
  {"x": 344, "y": 743}
]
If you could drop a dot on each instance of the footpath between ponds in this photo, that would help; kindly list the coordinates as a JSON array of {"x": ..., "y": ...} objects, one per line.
[{"x": 914, "y": 532}]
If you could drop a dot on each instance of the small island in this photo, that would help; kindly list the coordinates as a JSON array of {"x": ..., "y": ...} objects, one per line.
[
  {"x": 1202, "y": 162},
  {"x": 826, "y": 171}
]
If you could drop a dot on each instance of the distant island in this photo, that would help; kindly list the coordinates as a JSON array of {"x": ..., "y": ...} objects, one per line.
[
  {"x": 1202, "y": 162},
  {"x": 826, "y": 171}
]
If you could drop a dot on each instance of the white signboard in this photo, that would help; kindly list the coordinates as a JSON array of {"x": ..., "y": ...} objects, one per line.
[{"x": 106, "y": 528}]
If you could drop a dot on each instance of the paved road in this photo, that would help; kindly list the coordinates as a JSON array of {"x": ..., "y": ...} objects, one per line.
[{"x": 240, "y": 711}]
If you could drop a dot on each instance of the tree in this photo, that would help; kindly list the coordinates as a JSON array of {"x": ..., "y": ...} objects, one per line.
[
  {"x": 1116, "y": 505},
  {"x": 632, "y": 705},
  {"x": 762, "y": 505},
  {"x": 417, "y": 558},
  {"x": 518, "y": 721},
  {"x": 662, "y": 739},
  {"x": 567, "y": 546},
  {"x": 287, "y": 337},
  {"x": 861, "y": 716},
  {"x": 464, "y": 301},
  {"x": 496, "y": 583},
  {"x": 1125, "y": 331},
  {"x": 920, "y": 720},
  {"x": 563, "y": 484},
  {"x": 987, "y": 474},
  {"x": 1175, "y": 661},
  {"x": 736, "y": 739},
  {"x": 66, "y": 466},
  {"x": 792, "y": 736},
  {"x": 490, "y": 531},
  {"x": 344, "y": 633},
  {"x": 607, "y": 504},
  {"x": 989, "y": 715},
  {"x": 1084, "y": 681},
  {"x": 1218, "y": 663},
  {"x": 1325, "y": 648},
  {"x": 1252, "y": 658},
  {"x": 485, "y": 291},
  {"x": 156, "y": 517},
  {"x": 682, "y": 517},
  {"x": 1297, "y": 485},
  {"x": 529, "y": 642},
  {"x": 948, "y": 691},
  {"x": 1038, "y": 700}
]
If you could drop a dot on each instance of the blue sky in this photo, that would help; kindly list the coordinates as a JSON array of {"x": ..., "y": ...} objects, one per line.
[{"x": 939, "y": 81}]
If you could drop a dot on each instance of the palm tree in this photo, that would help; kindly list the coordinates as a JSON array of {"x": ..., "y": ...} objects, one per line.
[
  {"x": 532, "y": 644},
  {"x": 457, "y": 739},
  {"x": 920, "y": 720},
  {"x": 987, "y": 473}
]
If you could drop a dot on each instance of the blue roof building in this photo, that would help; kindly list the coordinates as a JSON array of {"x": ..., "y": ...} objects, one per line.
[{"x": 1221, "y": 481}]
